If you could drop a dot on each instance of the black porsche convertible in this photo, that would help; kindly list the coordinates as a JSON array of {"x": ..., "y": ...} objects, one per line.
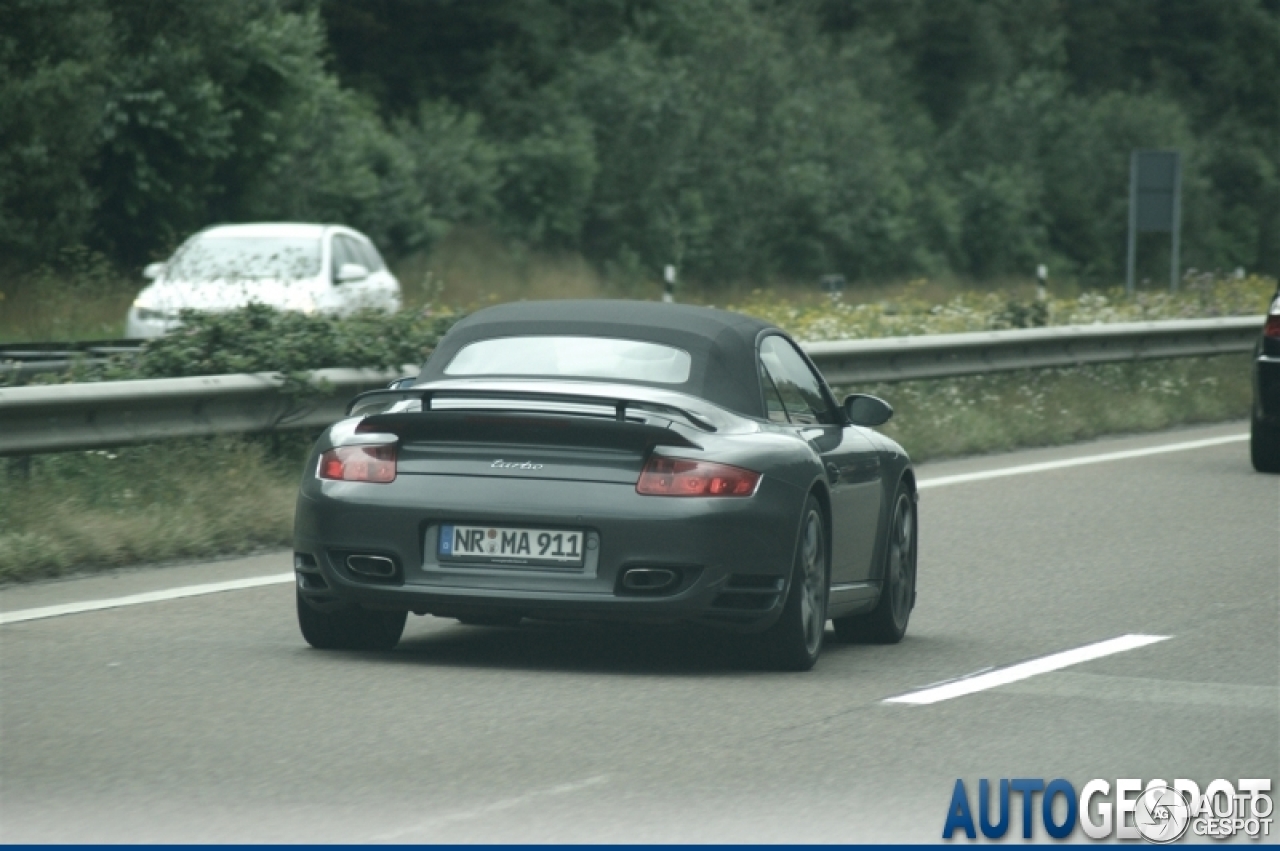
[{"x": 614, "y": 460}]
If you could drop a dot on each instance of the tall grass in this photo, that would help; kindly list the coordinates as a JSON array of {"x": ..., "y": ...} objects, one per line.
[
  {"x": 1049, "y": 407},
  {"x": 471, "y": 268},
  {"x": 179, "y": 499},
  {"x": 80, "y": 296}
]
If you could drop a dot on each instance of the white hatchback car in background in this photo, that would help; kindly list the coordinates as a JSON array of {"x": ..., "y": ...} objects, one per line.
[{"x": 304, "y": 267}]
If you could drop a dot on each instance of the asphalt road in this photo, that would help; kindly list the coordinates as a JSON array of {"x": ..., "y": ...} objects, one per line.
[{"x": 208, "y": 719}]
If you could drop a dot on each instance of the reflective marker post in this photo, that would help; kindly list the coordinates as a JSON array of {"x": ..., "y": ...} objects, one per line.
[
  {"x": 669, "y": 285},
  {"x": 1155, "y": 206}
]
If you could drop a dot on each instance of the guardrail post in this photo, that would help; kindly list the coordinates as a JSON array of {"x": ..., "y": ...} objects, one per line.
[{"x": 1131, "y": 257}]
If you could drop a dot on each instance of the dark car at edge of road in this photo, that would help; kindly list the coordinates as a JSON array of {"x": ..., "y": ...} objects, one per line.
[
  {"x": 610, "y": 460},
  {"x": 1264, "y": 434}
]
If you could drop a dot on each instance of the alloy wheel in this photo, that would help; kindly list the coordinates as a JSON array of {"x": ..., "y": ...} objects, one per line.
[
  {"x": 813, "y": 604},
  {"x": 900, "y": 568}
]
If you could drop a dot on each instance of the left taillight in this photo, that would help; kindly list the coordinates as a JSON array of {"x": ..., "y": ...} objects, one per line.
[
  {"x": 359, "y": 464},
  {"x": 664, "y": 476}
]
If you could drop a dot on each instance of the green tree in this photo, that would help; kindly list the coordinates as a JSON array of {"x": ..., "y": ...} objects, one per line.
[
  {"x": 202, "y": 100},
  {"x": 741, "y": 140},
  {"x": 53, "y": 92}
]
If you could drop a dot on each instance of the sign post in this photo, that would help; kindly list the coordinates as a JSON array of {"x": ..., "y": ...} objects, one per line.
[{"x": 1155, "y": 206}]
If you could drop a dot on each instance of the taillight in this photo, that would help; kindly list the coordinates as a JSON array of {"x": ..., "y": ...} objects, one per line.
[
  {"x": 682, "y": 477},
  {"x": 1272, "y": 328},
  {"x": 359, "y": 464}
]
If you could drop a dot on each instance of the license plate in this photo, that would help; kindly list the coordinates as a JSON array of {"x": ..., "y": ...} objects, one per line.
[{"x": 505, "y": 545}]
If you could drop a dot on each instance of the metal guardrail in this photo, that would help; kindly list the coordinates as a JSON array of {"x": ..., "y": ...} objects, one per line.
[
  {"x": 22, "y": 360},
  {"x": 23, "y": 351},
  {"x": 950, "y": 355},
  {"x": 60, "y": 417}
]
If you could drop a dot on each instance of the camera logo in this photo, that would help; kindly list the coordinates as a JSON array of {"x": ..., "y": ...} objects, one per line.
[{"x": 1162, "y": 814}]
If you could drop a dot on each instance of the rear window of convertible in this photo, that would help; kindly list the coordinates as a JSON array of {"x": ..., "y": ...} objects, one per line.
[{"x": 573, "y": 357}]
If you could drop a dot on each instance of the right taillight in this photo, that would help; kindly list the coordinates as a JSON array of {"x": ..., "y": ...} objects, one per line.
[
  {"x": 375, "y": 464},
  {"x": 1272, "y": 328},
  {"x": 684, "y": 477}
]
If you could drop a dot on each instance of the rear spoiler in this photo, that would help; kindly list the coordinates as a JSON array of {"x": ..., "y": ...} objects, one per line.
[
  {"x": 546, "y": 403},
  {"x": 541, "y": 429}
]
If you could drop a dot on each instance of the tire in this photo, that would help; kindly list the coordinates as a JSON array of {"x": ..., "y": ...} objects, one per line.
[
  {"x": 794, "y": 642},
  {"x": 1264, "y": 446},
  {"x": 349, "y": 629},
  {"x": 887, "y": 622}
]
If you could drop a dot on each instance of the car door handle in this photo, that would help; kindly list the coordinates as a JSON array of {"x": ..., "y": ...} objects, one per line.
[{"x": 833, "y": 472}]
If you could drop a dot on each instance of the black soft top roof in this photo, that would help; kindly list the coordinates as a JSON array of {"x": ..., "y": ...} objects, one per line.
[{"x": 722, "y": 345}]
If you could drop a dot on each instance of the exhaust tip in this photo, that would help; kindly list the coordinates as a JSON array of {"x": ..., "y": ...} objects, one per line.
[
  {"x": 649, "y": 579},
  {"x": 379, "y": 566}
]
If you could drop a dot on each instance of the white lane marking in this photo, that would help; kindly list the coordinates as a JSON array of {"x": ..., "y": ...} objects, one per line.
[
  {"x": 497, "y": 806},
  {"x": 1026, "y": 670},
  {"x": 943, "y": 481},
  {"x": 976, "y": 673},
  {"x": 148, "y": 597},
  {"x": 215, "y": 587}
]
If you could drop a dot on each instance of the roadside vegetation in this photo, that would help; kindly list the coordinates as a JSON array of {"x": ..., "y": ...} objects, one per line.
[
  {"x": 920, "y": 307},
  {"x": 179, "y": 499},
  {"x": 258, "y": 338},
  {"x": 1048, "y": 407}
]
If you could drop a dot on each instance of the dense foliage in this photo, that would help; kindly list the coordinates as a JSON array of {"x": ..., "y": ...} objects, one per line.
[
  {"x": 257, "y": 338},
  {"x": 260, "y": 339},
  {"x": 741, "y": 140}
]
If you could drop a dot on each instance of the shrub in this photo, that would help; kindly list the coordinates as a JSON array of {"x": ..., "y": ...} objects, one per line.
[
  {"x": 257, "y": 338},
  {"x": 1202, "y": 296}
]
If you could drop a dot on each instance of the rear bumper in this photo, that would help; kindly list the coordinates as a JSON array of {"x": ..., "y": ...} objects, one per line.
[
  {"x": 732, "y": 556},
  {"x": 1266, "y": 388}
]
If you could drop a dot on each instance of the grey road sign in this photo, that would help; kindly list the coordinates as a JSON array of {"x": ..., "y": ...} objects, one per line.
[{"x": 1155, "y": 206}]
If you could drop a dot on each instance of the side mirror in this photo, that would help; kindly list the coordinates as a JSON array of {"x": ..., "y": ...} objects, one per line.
[
  {"x": 154, "y": 270},
  {"x": 864, "y": 410},
  {"x": 351, "y": 272},
  {"x": 402, "y": 383}
]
